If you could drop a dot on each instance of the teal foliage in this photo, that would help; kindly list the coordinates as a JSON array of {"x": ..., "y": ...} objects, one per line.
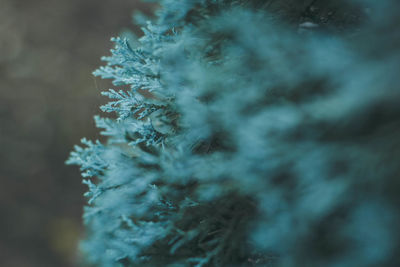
[{"x": 249, "y": 133}]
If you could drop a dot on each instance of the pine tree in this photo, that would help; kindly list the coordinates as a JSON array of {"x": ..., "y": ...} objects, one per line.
[{"x": 249, "y": 133}]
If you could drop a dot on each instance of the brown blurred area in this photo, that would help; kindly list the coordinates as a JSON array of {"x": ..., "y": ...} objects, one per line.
[{"x": 48, "y": 96}]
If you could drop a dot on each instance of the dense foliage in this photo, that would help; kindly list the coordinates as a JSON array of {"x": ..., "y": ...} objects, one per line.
[{"x": 250, "y": 133}]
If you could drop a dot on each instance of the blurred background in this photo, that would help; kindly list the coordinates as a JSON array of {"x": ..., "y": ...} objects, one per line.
[{"x": 48, "y": 96}]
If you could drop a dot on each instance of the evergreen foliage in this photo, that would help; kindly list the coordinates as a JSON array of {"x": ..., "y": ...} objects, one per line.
[{"x": 250, "y": 133}]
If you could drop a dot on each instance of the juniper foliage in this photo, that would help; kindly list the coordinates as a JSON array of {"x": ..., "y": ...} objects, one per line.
[{"x": 250, "y": 133}]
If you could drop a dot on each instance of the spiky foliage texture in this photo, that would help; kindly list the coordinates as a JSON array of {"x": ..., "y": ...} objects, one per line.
[{"x": 249, "y": 133}]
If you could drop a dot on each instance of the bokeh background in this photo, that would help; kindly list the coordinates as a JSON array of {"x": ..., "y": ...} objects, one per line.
[{"x": 48, "y": 96}]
